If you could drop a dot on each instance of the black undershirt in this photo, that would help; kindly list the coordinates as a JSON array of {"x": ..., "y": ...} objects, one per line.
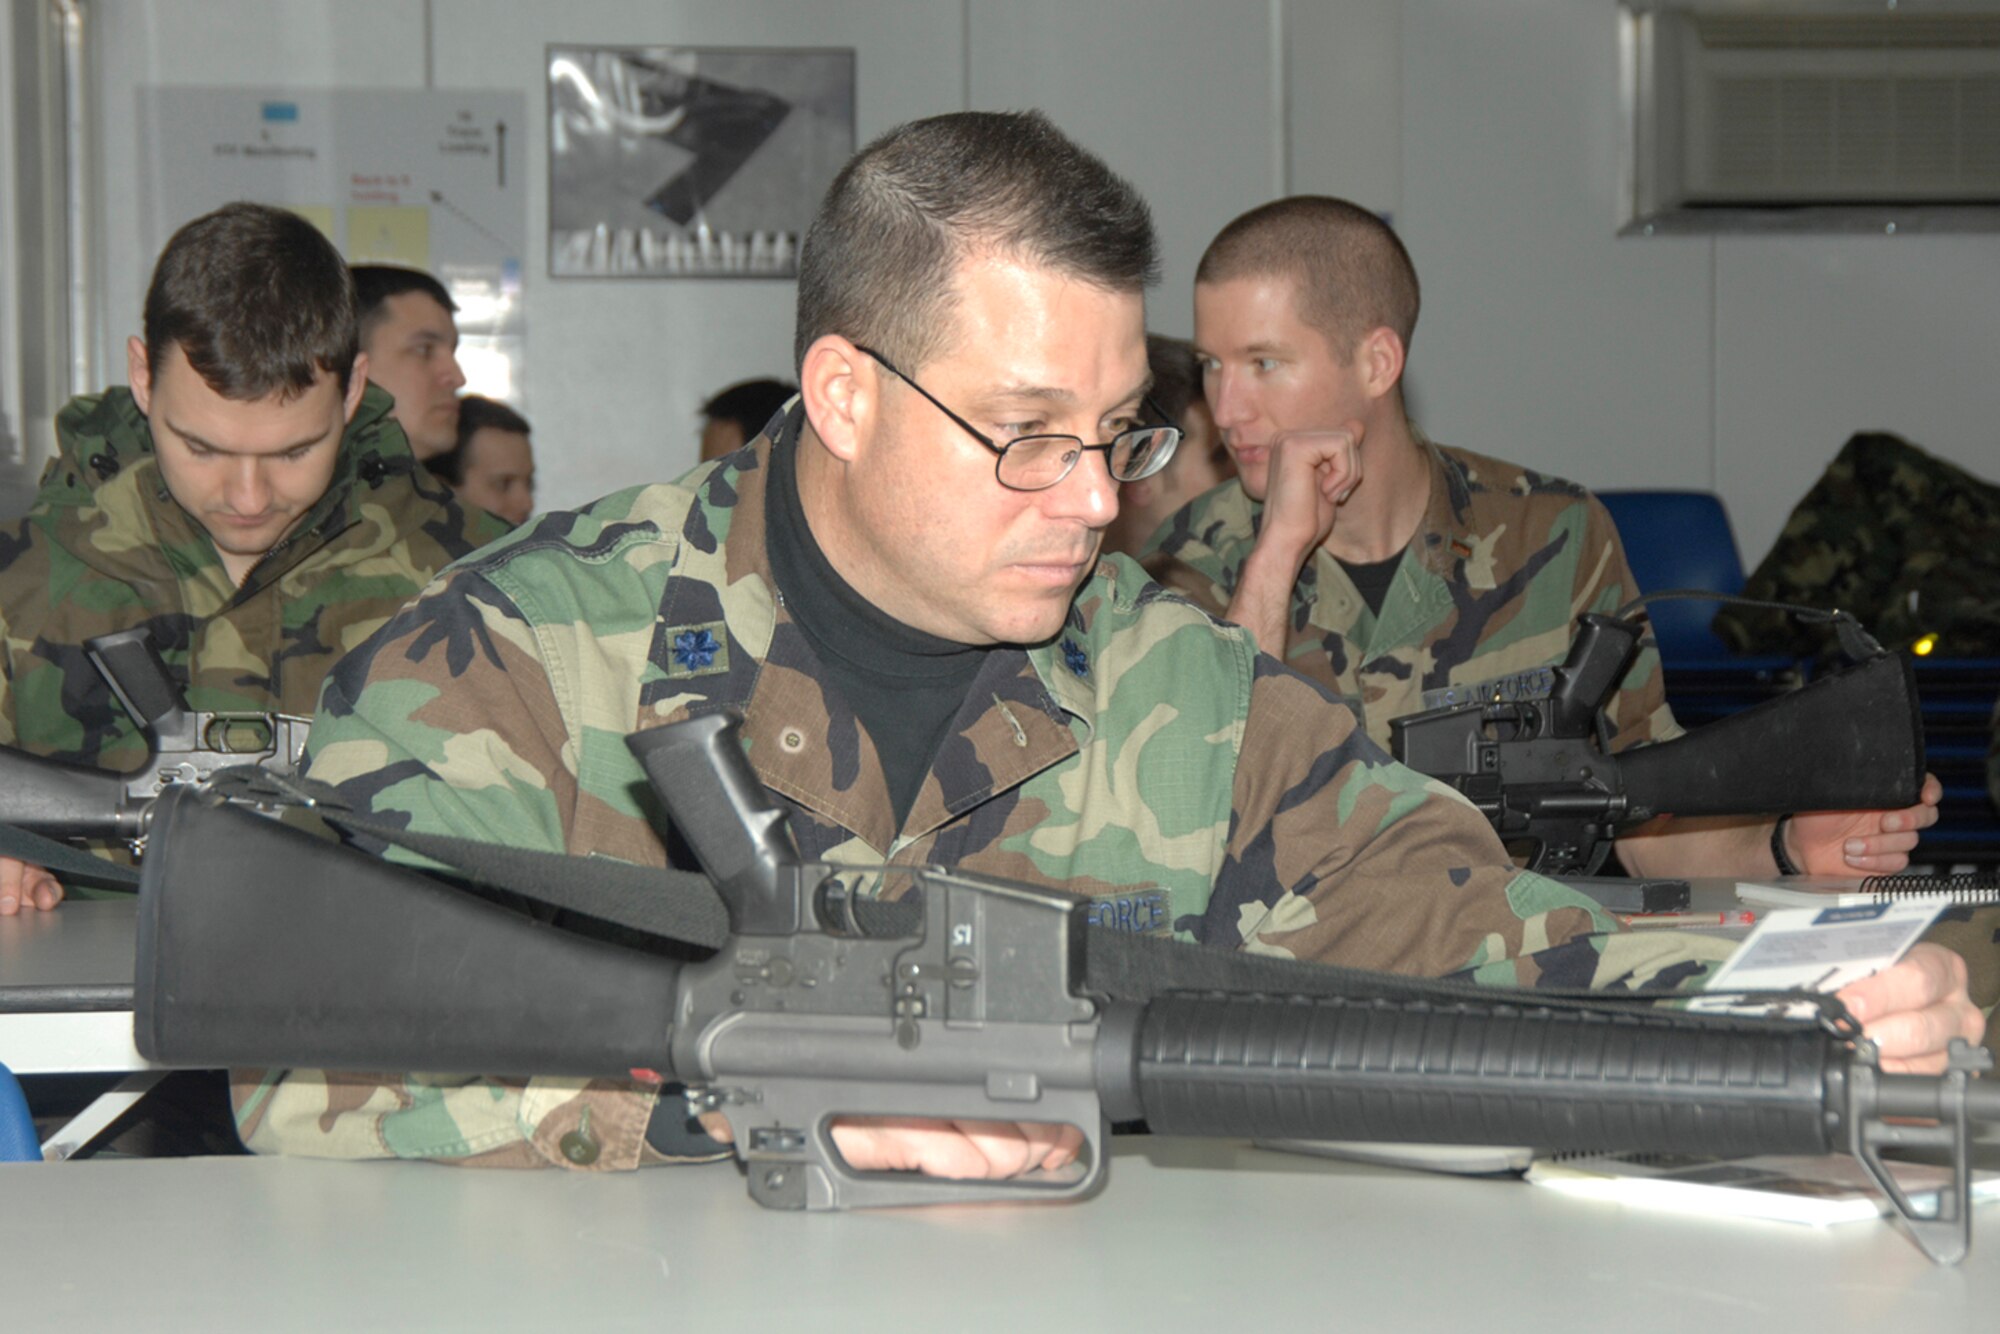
[
  {"x": 1372, "y": 581},
  {"x": 904, "y": 685}
]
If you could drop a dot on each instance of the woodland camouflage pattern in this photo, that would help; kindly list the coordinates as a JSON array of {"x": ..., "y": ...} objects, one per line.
[
  {"x": 1906, "y": 541},
  {"x": 1148, "y": 756},
  {"x": 1484, "y": 602},
  {"x": 106, "y": 548}
]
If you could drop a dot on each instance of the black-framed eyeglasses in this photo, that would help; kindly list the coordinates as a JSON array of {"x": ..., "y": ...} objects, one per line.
[{"x": 1038, "y": 462}]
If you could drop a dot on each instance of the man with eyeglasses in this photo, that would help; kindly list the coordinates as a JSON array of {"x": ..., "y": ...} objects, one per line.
[{"x": 901, "y": 594}]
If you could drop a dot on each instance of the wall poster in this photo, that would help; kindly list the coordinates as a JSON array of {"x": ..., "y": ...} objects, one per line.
[
  {"x": 682, "y": 161},
  {"x": 426, "y": 178}
]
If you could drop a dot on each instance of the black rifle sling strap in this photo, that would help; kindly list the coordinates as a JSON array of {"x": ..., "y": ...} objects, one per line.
[
  {"x": 682, "y": 906},
  {"x": 64, "y": 861},
  {"x": 672, "y": 905}
]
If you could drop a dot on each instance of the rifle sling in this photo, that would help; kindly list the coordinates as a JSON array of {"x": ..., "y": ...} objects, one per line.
[
  {"x": 66, "y": 862},
  {"x": 673, "y": 905},
  {"x": 682, "y": 906}
]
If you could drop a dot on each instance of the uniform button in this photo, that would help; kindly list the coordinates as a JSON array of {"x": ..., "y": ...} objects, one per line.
[
  {"x": 791, "y": 741},
  {"x": 578, "y": 1148}
]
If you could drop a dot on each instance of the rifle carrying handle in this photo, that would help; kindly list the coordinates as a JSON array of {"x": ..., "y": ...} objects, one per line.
[{"x": 130, "y": 663}]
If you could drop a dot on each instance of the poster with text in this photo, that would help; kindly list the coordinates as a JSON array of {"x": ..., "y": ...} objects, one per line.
[
  {"x": 673, "y": 162},
  {"x": 424, "y": 178}
]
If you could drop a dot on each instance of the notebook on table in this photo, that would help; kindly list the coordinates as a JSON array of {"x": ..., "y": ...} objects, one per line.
[{"x": 1849, "y": 891}]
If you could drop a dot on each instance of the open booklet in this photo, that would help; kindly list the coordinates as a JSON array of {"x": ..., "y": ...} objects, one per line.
[{"x": 1818, "y": 1192}]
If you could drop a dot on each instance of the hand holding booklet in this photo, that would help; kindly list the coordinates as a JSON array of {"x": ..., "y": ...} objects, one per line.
[{"x": 1817, "y": 949}]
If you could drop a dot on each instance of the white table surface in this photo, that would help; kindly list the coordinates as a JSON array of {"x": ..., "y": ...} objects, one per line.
[{"x": 1188, "y": 1236}]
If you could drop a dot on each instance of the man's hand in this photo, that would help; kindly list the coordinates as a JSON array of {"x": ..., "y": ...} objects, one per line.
[
  {"x": 1914, "y": 1010},
  {"x": 966, "y": 1150},
  {"x": 25, "y": 886},
  {"x": 1310, "y": 474},
  {"x": 1861, "y": 842}
]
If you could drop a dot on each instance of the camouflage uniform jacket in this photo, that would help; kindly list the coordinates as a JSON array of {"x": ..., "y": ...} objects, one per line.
[
  {"x": 1148, "y": 754},
  {"x": 106, "y": 548},
  {"x": 1484, "y": 602},
  {"x": 1905, "y": 540}
]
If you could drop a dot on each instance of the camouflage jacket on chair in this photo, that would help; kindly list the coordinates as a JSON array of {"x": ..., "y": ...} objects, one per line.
[
  {"x": 1147, "y": 756},
  {"x": 1904, "y": 540}
]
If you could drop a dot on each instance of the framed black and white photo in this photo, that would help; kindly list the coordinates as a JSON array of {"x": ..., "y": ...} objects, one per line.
[{"x": 691, "y": 161}]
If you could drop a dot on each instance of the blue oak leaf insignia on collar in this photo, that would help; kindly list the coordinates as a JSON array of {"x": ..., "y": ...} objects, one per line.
[
  {"x": 1078, "y": 660},
  {"x": 697, "y": 650}
]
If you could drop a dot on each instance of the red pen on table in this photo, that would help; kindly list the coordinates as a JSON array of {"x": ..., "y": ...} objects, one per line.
[{"x": 1734, "y": 918}]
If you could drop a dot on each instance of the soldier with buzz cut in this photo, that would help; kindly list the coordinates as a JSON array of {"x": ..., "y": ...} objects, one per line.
[
  {"x": 247, "y": 499},
  {"x": 1404, "y": 574},
  {"x": 900, "y": 590}
]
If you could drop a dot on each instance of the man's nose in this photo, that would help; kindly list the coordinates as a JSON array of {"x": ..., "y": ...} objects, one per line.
[
  {"x": 247, "y": 492},
  {"x": 1227, "y": 401},
  {"x": 454, "y": 374},
  {"x": 1088, "y": 495}
]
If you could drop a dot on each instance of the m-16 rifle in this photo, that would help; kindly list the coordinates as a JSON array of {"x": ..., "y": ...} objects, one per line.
[
  {"x": 76, "y": 802},
  {"x": 973, "y": 998},
  {"x": 1539, "y": 768}
]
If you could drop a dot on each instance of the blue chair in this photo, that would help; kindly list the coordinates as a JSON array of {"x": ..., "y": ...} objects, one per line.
[
  {"x": 1679, "y": 539},
  {"x": 18, "y": 1141},
  {"x": 1682, "y": 539}
]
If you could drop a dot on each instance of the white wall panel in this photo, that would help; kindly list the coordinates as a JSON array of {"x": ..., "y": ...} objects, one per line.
[
  {"x": 1344, "y": 87},
  {"x": 1544, "y": 338},
  {"x": 1175, "y": 97},
  {"x": 14, "y": 433},
  {"x": 1820, "y": 337}
]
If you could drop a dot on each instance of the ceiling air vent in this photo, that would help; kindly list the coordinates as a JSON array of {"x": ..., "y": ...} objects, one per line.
[{"x": 1821, "y": 122}]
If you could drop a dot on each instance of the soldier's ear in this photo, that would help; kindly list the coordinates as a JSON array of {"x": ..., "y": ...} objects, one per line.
[
  {"x": 357, "y": 385},
  {"x": 838, "y": 382},
  {"x": 1379, "y": 359},
  {"x": 139, "y": 374}
]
